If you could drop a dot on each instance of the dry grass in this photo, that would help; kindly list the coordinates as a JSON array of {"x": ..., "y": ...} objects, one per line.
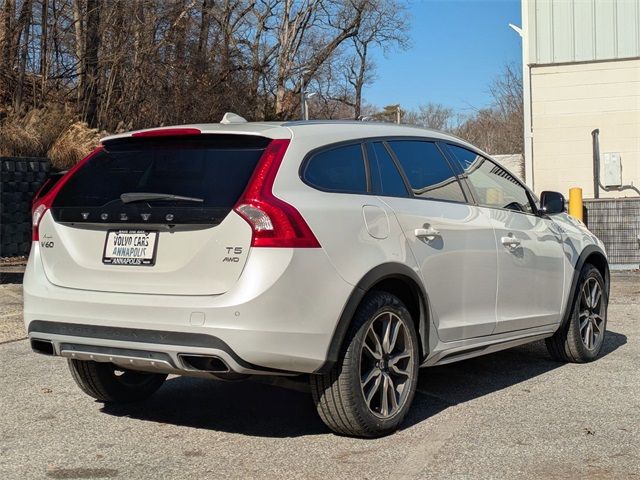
[
  {"x": 51, "y": 132},
  {"x": 33, "y": 133},
  {"x": 17, "y": 141},
  {"x": 75, "y": 143}
]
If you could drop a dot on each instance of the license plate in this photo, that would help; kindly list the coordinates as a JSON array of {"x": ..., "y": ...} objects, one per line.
[{"x": 130, "y": 247}]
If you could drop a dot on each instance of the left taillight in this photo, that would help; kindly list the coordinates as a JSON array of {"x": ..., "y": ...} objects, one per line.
[
  {"x": 41, "y": 205},
  {"x": 274, "y": 222}
]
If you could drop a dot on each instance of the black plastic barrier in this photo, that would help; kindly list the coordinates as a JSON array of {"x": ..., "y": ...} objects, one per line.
[{"x": 20, "y": 179}]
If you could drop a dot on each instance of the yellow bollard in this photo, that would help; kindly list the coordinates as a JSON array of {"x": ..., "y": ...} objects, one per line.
[{"x": 575, "y": 203}]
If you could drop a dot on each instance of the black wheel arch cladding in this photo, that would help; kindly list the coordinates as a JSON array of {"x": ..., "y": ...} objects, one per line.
[
  {"x": 386, "y": 273},
  {"x": 593, "y": 255}
]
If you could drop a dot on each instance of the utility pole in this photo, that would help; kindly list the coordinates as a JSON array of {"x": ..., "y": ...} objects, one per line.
[
  {"x": 305, "y": 104},
  {"x": 304, "y": 112},
  {"x": 303, "y": 101},
  {"x": 398, "y": 114}
]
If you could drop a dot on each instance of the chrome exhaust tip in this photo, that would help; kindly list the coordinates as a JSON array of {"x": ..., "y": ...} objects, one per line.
[
  {"x": 204, "y": 363},
  {"x": 44, "y": 347}
]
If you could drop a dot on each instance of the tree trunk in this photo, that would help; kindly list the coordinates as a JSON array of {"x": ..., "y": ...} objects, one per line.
[
  {"x": 24, "y": 29},
  {"x": 44, "y": 67},
  {"x": 7, "y": 43},
  {"x": 203, "y": 36},
  {"x": 292, "y": 32},
  {"x": 359, "y": 83},
  {"x": 92, "y": 44},
  {"x": 78, "y": 25}
]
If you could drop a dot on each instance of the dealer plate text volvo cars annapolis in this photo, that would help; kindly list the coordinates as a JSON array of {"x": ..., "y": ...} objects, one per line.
[{"x": 351, "y": 253}]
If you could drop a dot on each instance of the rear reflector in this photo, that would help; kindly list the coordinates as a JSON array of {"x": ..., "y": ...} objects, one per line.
[{"x": 274, "y": 222}]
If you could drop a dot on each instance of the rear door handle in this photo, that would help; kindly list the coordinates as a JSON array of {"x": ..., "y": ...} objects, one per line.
[
  {"x": 510, "y": 241},
  {"x": 427, "y": 232}
]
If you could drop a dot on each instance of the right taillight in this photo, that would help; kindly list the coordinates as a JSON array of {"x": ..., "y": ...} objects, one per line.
[
  {"x": 274, "y": 222},
  {"x": 41, "y": 205}
]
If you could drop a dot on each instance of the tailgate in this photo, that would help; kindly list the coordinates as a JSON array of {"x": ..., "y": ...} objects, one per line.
[{"x": 92, "y": 239}]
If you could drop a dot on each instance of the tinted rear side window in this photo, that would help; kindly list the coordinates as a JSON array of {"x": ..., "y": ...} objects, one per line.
[
  {"x": 385, "y": 178},
  {"x": 340, "y": 169},
  {"x": 428, "y": 172},
  {"x": 213, "y": 168}
]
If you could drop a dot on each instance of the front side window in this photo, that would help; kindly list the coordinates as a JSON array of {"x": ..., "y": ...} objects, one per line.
[
  {"x": 427, "y": 170},
  {"x": 493, "y": 186},
  {"x": 340, "y": 169}
]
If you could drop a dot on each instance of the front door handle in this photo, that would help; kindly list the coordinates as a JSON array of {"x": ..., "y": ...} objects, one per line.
[
  {"x": 427, "y": 232},
  {"x": 510, "y": 241}
]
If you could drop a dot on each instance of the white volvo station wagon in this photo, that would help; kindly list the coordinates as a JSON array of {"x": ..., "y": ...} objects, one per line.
[{"x": 352, "y": 253}]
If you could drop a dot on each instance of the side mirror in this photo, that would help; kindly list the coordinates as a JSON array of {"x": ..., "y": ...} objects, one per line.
[{"x": 552, "y": 203}]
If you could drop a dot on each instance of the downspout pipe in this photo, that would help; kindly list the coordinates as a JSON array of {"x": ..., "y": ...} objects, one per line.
[
  {"x": 597, "y": 185},
  {"x": 596, "y": 162}
]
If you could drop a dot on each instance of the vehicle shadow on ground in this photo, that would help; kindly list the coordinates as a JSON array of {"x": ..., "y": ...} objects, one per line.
[{"x": 266, "y": 410}]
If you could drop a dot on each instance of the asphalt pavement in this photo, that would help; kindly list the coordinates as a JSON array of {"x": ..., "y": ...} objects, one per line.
[{"x": 514, "y": 414}]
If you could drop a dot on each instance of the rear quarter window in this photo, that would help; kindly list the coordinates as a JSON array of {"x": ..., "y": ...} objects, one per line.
[{"x": 337, "y": 169}]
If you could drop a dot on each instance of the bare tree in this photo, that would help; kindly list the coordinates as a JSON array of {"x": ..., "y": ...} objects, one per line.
[
  {"x": 498, "y": 128},
  {"x": 432, "y": 115},
  {"x": 21, "y": 42},
  {"x": 386, "y": 27},
  {"x": 123, "y": 64},
  {"x": 310, "y": 34}
]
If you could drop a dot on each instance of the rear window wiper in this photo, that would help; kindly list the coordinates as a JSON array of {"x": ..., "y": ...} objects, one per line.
[{"x": 152, "y": 197}]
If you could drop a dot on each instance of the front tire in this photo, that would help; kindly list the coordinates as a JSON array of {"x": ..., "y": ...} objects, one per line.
[
  {"x": 369, "y": 390},
  {"x": 580, "y": 340},
  {"x": 111, "y": 384}
]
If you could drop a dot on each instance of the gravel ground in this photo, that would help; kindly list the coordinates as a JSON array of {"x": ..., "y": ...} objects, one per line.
[{"x": 514, "y": 414}]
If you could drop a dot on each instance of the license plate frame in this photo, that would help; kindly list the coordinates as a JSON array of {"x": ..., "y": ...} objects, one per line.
[{"x": 135, "y": 261}]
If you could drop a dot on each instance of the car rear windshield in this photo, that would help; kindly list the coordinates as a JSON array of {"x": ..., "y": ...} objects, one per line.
[{"x": 213, "y": 168}]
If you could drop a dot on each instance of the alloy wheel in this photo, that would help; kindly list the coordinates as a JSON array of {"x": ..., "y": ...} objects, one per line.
[
  {"x": 386, "y": 365},
  {"x": 591, "y": 314}
]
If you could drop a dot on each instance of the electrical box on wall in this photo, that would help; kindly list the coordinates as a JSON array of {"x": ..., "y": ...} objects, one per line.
[{"x": 611, "y": 171}]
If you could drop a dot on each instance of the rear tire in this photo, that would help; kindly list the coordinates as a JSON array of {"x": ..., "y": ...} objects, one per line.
[
  {"x": 369, "y": 390},
  {"x": 580, "y": 340},
  {"x": 108, "y": 383}
]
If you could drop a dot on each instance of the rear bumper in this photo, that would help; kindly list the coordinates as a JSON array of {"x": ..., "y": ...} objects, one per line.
[
  {"x": 148, "y": 350},
  {"x": 279, "y": 318}
]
